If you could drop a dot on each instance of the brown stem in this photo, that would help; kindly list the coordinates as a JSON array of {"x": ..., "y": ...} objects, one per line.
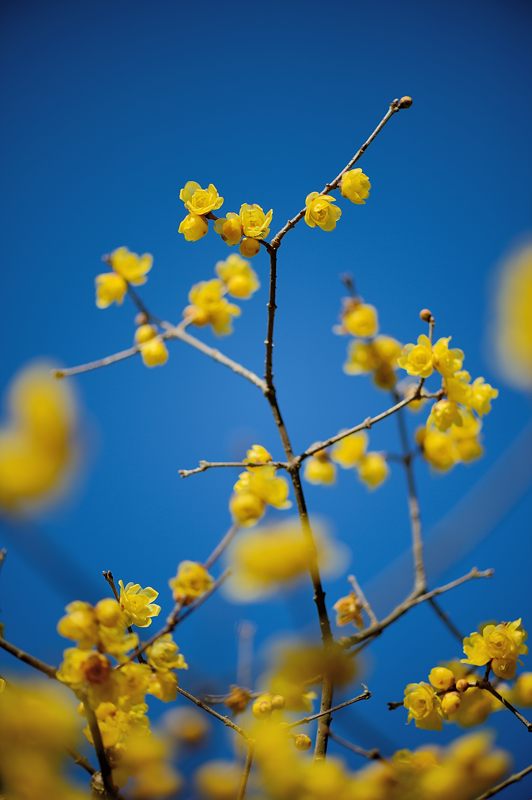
[
  {"x": 517, "y": 776},
  {"x": 205, "y": 465},
  {"x": 80, "y": 760},
  {"x": 247, "y": 769},
  {"x": 372, "y": 755},
  {"x": 101, "y": 755},
  {"x": 447, "y": 621},
  {"x": 226, "y": 721},
  {"x": 109, "y": 577},
  {"x": 366, "y": 694},
  {"x": 488, "y": 686},
  {"x": 36, "y": 663}
]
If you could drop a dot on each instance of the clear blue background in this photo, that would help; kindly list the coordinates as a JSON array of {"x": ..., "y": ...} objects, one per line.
[{"x": 108, "y": 108}]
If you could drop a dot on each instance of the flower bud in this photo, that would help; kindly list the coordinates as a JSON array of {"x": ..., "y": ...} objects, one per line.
[
  {"x": 278, "y": 702},
  {"x": 425, "y": 315},
  {"x": 262, "y": 707},
  {"x": 462, "y": 685},
  {"x": 450, "y": 703},
  {"x": 249, "y": 247},
  {"x": 302, "y": 741},
  {"x": 441, "y": 678},
  {"x": 405, "y": 102}
]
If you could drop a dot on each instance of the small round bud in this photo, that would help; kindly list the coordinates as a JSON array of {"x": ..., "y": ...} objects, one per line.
[
  {"x": 462, "y": 685},
  {"x": 302, "y": 741},
  {"x": 441, "y": 678},
  {"x": 141, "y": 318},
  {"x": 238, "y": 699},
  {"x": 278, "y": 702},
  {"x": 450, "y": 703},
  {"x": 262, "y": 707},
  {"x": 405, "y": 102},
  {"x": 249, "y": 247},
  {"x": 425, "y": 315}
]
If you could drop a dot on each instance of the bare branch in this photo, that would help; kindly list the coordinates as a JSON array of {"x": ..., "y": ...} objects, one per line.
[
  {"x": 517, "y": 776},
  {"x": 366, "y": 694},
  {"x": 105, "y": 767},
  {"x": 247, "y": 769},
  {"x": 226, "y": 721},
  {"x": 36, "y": 663},
  {"x": 205, "y": 465},
  {"x": 360, "y": 594},
  {"x": 372, "y": 755}
]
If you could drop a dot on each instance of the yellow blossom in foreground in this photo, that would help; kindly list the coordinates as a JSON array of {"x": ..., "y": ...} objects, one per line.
[
  {"x": 188, "y": 726},
  {"x": 349, "y": 450},
  {"x": 110, "y": 288},
  {"x": 423, "y": 706},
  {"x": 238, "y": 276},
  {"x": 38, "y": 442},
  {"x": 229, "y": 228},
  {"x": 320, "y": 212},
  {"x": 153, "y": 350},
  {"x": 209, "y": 307},
  {"x": 193, "y": 227},
  {"x": 500, "y": 645},
  {"x": 355, "y": 186},
  {"x": 373, "y": 469},
  {"x": 272, "y": 556},
  {"x": 319, "y": 469},
  {"x": 200, "y": 201},
  {"x": 164, "y": 654},
  {"x": 192, "y": 581},
  {"x": 360, "y": 319},
  {"x": 249, "y": 247},
  {"x": 130, "y": 266},
  {"x": 218, "y": 780},
  {"x": 137, "y": 604},
  {"x": 513, "y": 330},
  {"x": 349, "y": 610},
  {"x": 417, "y": 359},
  {"x": 255, "y": 223}
]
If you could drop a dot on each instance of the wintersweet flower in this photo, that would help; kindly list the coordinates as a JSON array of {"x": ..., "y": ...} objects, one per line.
[
  {"x": 239, "y": 277},
  {"x": 500, "y": 645},
  {"x": 84, "y": 668},
  {"x": 378, "y": 356},
  {"x": 153, "y": 350},
  {"x": 192, "y": 581},
  {"x": 349, "y": 450},
  {"x": 360, "y": 319},
  {"x": 438, "y": 448},
  {"x": 442, "y": 678},
  {"x": 193, "y": 227},
  {"x": 446, "y": 361},
  {"x": 130, "y": 266},
  {"x": 523, "y": 689},
  {"x": 466, "y": 437},
  {"x": 320, "y": 212},
  {"x": 246, "y": 508},
  {"x": 481, "y": 396},
  {"x": 200, "y": 201},
  {"x": 319, "y": 469},
  {"x": 372, "y": 469},
  {"x": 229, "y": 228},
  {"x": 256, "y": 488},
  {"x": 423, "y": 706},
  {"x": 249, "y": 247},
  {"x": 79, "y": 624},
  {"x": 257, "y": 454},
  {"x": 417, "y": 359},
  {"x": 445, "y": 413},
  {"x": 164, "y": 654},
  {"x": 110, "y": 288},
  {"x": 137, "y": 604},
  {"x": 349, "y": 610},
  {"x": 210, "y": 307},
  {"x": 458, "y": 387},
  {"x": 355, "y": 186},
  {"x": 255, "y": 223}
]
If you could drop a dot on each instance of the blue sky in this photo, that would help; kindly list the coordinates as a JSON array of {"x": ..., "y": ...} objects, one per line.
[{"x": 108, "y": 109}]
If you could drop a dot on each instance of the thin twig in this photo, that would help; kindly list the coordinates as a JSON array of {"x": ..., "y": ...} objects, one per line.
[
  {"x": 101, "y": 755},
  {"x": 395, "y": 105},
  {"x": 362, "y": 597},
  {"x": 372, "y": 755},
  {"x": 34, "y": 662},
  {"x": 447, "y": 621},
  {"x": 109, "y": 577},
  {"x": 366, "y": 694},
  {"x": 226, "y": 721},
  {"x": 247, "y": 769},
  {"x": 488, "y": 686},
  {"x": 80, "y": 760},
  {"x": 410, "y": 602},
  {"x": 205, "y": 465},
  {"x": 222, "y": 545},
  {"x": 517, "y": 776}
]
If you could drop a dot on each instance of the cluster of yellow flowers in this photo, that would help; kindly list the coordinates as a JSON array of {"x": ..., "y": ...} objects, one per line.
[
  {"x": 257, "y": 488},
  {"x": 349, "y": 452},
  {"x": 127, "y": 268},
  {"x": 463, "y": 770},
  {"x": 38, "y": 443},
  {"x": 452, "y": 695},
  {"x": 208, "y": 303},
  {"x": 451, "y": 434},
  {"x": 246, "y": 228},
  {"x": 117, "y": 692},
  {"x": 319, "y": 209}
]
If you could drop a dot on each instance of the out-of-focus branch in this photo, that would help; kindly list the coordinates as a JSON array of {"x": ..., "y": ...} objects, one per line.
[
  {"x": 517, "y": 776},
  {"x": 246, "y": 771},
  {"x": 366, "y": 694},
  {"x": 34, "y": 662},
  {"x": 371, "y": 755}
]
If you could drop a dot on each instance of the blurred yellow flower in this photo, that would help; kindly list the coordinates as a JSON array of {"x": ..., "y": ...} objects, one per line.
[
  {"x": 513, "y": 330},
  {"x": 192, "y": 580},
  {"x": 130, "y": 266},
  {"x": 349, "y": 610},
  {"x": 249, "y": 247},
  {"x": 349, "y": 450},
  {"x": 218, "y": 780},
  {"x": 110, "y": 288},
  {"x": 239, "y": 277},
  {"x": 372, "y": 469},
  {"x": 153, "y": 350},
  {"x": 319, "y": 469},
  {"x": 164, "y": 654},
  {"x": 209, "y": 307},
  {"x": 360, "y": 319}
]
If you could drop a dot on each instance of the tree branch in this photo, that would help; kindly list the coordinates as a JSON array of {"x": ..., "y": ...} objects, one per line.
[
  {"x": 517, "y": 776},
  {"x": 366, "y": 694},
  {"x": 36, "y": 663},
  {"x": 205, "y": 465}
]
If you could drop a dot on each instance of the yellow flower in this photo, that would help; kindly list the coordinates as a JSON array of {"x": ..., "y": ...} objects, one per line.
[
  {"x": 481, "y": 396},
  {"x": 163, "y": 685},
  {"x": 229, "y": 228},
  {"x": 164, "y": 654},
  {"x": 255, "y": 223},
  {"x": 442, "y": 678},
  {"x": 349, "y": 450},
  {"x": 450, "y": 703},
  {"x": 238, "y": 276},
  {"x": 218, "y": 780},
  {"x": 209, "y": 307},
  {"x": 319, "y": 469},
  {"x": 465, "y": 438},
  {"x": 193, "y": 227},
  {"x": 130, "y": 266},
  {"x": 378, "y": 356},
  {"x": 423, "y": 706},
  {"x": 137, "y": 604},
  {"x": 110, "y": 288},
  {"x": 349, "y": 610},
  {"x": 246, "y": 508},
  {"x": 84, "y": 667},
  {"x": 153, "y": 350},
  {"x": 372, "y": 469},
  {"x": 320, "y": 212},
  {"x": 360, "y": 319},
  {"x": 200, "y": 201},
  {"x": 257, "y": 454},
  {"x": 249, "y": 247},
  {"x": 273, "y": 556},
  {"x": 445, "y": 413},
  {"x": 80, "y": 624},
  {"x": 192, "y": 580},
  {"x": 446, "y": 361},
  {"x": 438, "y": 448},
  {"x": 458, "y": 388},
  {"x": 417, "y": 359},
  {"x": 265, "y": 484},
  {"x": 514, "y": 321},
  {"x": 355, "y": 186},
  {"x": 500, "y": 644},
  {"x": 523, "y": 689}
]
